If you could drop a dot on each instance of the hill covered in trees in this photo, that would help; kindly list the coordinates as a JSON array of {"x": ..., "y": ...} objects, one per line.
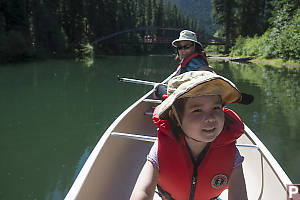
[
  {"x": 30, "y": 28},
  {"x": 200, "y": 10}
]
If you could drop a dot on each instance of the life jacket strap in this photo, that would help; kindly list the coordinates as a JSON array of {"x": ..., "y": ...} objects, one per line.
[{"x": 164, "y": 194}]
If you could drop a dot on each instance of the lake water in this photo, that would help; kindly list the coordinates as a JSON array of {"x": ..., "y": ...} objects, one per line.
[{"x": 54, "y": 112}]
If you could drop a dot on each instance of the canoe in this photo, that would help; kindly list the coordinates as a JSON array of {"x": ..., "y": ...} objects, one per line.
[{"x": 113, "y": 166}]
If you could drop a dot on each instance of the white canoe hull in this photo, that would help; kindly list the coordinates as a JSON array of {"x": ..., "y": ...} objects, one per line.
[{"x": 112, "y": 168}]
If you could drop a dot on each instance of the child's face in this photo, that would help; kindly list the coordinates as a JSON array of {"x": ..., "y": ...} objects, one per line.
[{"x": 203, "y": 117}]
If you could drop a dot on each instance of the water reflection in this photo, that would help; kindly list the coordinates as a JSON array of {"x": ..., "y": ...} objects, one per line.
[
  {"x": 54, "y": 112},
  {"x": 59, "y": 190}
]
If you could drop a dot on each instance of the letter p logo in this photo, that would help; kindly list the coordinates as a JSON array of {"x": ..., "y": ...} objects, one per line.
[{"x": 293, "y": 192}]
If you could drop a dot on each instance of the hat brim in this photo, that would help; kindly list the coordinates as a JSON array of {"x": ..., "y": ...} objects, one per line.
[
  {"x": 216, "y": 86},
  {"x": 179, "y": 40}
]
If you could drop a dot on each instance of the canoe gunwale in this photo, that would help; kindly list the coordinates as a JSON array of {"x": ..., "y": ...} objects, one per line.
[
  {"x": 83, "y": 174},
  {"x": 268, "y": 157}
]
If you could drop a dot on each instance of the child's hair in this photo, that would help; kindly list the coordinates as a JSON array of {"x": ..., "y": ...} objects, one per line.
[{"x": 176, "y": 128}]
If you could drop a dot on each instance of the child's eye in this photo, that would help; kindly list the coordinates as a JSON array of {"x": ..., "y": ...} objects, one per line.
[{"x": 197, "y": 110}]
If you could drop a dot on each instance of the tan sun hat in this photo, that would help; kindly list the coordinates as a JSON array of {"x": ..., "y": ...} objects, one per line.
[
  {"x": 186, "y": 35},
  {"x": 198, "y": 83}
]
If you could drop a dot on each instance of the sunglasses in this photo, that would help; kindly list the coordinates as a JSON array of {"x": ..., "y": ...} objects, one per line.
[{"x": 185, "y": 47}]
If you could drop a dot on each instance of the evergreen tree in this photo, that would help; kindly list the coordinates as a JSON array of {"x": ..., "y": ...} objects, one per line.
[
  {"x": 251, "y": 17},
  {"x": 15, "y": 37},
  {"x": 223, "y": 14},
  {"x": 56, "y": 27},
  {"x": 47, "y": 31}
]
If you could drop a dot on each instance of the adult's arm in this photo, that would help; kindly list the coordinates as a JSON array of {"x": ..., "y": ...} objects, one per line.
[
  {"x": 237, "y": 187},
  {"x": 145, "y": 186}
]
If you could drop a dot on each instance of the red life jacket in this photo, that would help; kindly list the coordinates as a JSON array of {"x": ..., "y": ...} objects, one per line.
[
  {"x": 176, "y": 168},
  {"x": 190, "y": 57}
]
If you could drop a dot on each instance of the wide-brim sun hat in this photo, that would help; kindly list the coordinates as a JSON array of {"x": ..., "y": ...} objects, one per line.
[
  {"x": 186, "y": 35},
  {"x": 195, "y": 84}
]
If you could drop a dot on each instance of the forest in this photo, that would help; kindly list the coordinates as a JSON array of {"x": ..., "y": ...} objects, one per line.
[
  {"x": 261, "y": 28},
  {"x": 32, "y": 29},
  {"x": 43, "y": 28}
]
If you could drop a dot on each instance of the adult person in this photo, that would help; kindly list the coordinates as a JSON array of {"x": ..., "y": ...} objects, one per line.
[
  {"x": 195, "y": 156},
  {"x": 192, "y": 57},
  {"x": 190, "y": 52}
]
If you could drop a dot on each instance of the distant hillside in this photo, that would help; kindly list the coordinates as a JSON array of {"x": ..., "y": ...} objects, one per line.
[{"x": 199, "y": 9}]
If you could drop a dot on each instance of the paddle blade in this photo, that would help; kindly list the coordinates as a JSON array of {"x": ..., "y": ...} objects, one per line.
[{"x": 246, "y": 98}]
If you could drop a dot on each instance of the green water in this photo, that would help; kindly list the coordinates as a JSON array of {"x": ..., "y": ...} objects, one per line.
[{"x": 54, "y": 112}]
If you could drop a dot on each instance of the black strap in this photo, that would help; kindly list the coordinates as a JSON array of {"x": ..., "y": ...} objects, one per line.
[
  {"x": 200, "y": 157},
  {"x": 164, "y": 194}
]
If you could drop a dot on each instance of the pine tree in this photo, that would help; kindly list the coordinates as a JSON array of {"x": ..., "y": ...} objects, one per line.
[{"x": 223, "y": 14}]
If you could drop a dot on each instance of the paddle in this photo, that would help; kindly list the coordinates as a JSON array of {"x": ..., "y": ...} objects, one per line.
[
  {"x": 246, "y": 98},
  {"x": 161, "y": 89},
  {"x": 129, "y": 80}
]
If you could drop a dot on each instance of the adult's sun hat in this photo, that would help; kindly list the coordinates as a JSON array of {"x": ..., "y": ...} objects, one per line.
[
  {"x": 186, "y": 35},
  {"x": 195, "y": 84}
]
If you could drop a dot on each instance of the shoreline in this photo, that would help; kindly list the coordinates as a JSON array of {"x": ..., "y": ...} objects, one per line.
[
  {"x": 250, "y": 59},
  {"x": 275, "y": 63}
]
